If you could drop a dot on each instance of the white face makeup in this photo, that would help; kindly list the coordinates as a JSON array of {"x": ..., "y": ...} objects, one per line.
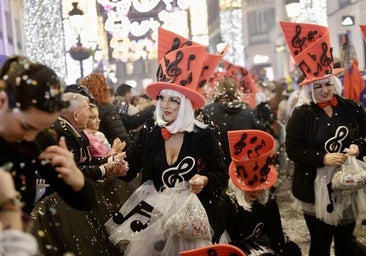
[{"x": 170, "y": 107}]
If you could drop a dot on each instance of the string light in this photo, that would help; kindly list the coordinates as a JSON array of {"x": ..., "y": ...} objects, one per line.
[
  {"x": 44, "y": 33},
  {"x": 133, "y": 25},
  {"x": 232, "y": 33}
]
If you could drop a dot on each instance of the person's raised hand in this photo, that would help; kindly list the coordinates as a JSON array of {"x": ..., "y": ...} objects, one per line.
[
  {"x": 118, "y": 145},
  {"x": 62, "y": 159}
]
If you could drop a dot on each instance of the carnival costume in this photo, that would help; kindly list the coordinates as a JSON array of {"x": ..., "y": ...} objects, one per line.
[{"x": 146, "y": 221}]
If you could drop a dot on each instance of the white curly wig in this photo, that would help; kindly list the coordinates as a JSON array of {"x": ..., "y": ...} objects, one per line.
[{"x": 306, "y": 95}]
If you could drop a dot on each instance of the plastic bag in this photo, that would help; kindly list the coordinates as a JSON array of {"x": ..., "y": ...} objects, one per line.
[
  {"x": 351, "y": 176},
  {"x": 191, "y": 221}
]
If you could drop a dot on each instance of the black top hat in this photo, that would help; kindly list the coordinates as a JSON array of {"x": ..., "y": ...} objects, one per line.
[{"x": 76, "y": 88}]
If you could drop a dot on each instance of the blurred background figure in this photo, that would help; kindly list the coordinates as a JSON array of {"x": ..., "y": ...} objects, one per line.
[
  {"x": 122, "y": 100},
  {"x": 229, "y": 112}
]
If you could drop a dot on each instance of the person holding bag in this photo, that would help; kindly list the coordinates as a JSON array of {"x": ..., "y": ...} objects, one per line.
[
  {"x": 323, "y": 128},
  {"x": 177, "y": 155}
]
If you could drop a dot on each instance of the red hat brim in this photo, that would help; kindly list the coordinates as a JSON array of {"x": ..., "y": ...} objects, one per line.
[
  {"x": 239, "y": 182},
  {"x": 216, "y": 249},
  {"x": 197, "y": 99},
  {"x": 335, "y": 71}
]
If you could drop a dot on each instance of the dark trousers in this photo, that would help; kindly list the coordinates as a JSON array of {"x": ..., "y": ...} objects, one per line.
[{"x": 322, "y": 234}]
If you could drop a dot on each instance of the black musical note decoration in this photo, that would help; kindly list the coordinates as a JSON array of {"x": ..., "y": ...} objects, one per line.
[
  {"x": 313, "y": 56},
  {"x": 172, "y": 69},
  {"x": 240, "y": 145},
  {"x": 254, "y": 180},
  {"x": 184, "y": 82},
  {"x": 330, "y": 206},
  {"x": 318, "y": 69},
  {"x": 324, "y": 59},
  {"x": 296, "y": 41},
  {"x": 311, "y": 35},
  {"x": 264, "y": 171},
  {"x": 241, "y": 169},
  {"x": 301, "y": 66},
  {"x": 176, "y": 44},
  {"x": 143, "y": 208},
  {"x": 253, "y": 140},
  {"x": 202, "y": 83},
  {"x": 190, "y": 58}
]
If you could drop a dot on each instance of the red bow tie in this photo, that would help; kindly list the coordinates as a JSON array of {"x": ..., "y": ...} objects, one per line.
[
  {"x": 333, "y": 102},
  {"x": 165, "y": 133}
]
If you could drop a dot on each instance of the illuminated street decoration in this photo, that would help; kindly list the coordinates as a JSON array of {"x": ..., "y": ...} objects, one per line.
[
  {"x": 133, "y": 25},
  {"x": 312, "y": 11},
  {"x": 43, "y": 31},
  {"x": 231, "y": 18}
]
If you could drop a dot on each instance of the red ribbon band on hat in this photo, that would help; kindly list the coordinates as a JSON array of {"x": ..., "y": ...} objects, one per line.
[{"x": 333, "y": 102}]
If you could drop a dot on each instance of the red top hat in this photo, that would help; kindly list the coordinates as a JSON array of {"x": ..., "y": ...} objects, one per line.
[
  {"x": 363, "y": 29},
  {"x": 210, "y": 63},
  {"x": 184, "y": 66},
  {"x": 251, "y": 154},
  {"x": 216, "y": 249},
  {"x": 309, "y": 45},
  {"x": 169, "y": 41}
]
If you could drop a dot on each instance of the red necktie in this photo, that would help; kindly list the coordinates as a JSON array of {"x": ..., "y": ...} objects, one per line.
[
  {"x": 165, "y": 133},
  {"x": 333, "y": 102}
]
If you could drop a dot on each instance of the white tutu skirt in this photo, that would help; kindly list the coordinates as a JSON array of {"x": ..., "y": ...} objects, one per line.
[
  {"x": 142, "y": 223},
  {"x": 335, "y": 207}
]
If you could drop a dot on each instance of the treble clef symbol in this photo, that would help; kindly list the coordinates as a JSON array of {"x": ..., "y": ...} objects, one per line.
[
  {"x": 265, "y": 170},
  {"x": 324, "y": 59},
  {"x": 172, "y": 68},
  {"x": 298, "y": 42},
  {"x": 176, "y": 174},
  {"x": 334, "y": 144},
  {"x": 240, "y": 144}
]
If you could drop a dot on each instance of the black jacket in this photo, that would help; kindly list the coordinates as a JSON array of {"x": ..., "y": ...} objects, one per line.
[
  {"x": 115, "y": 125},
  {"x": 301, "y": 147},
  {"x": 239, "y": 117},
  {"x": 245, "y": 227},
  {"x": 23, "y": 157},
  {"x": 78, "y": 143}
]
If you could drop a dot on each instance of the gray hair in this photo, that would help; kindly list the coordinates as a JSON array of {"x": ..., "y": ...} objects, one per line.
[
  {"x": 76, "y": 102},
  {"x": 185, "y": 120}
]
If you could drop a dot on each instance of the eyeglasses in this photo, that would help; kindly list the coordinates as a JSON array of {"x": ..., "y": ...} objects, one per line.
[
  {"x": 171, "y": 100},
  {"x": 323, "y": 85}
]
